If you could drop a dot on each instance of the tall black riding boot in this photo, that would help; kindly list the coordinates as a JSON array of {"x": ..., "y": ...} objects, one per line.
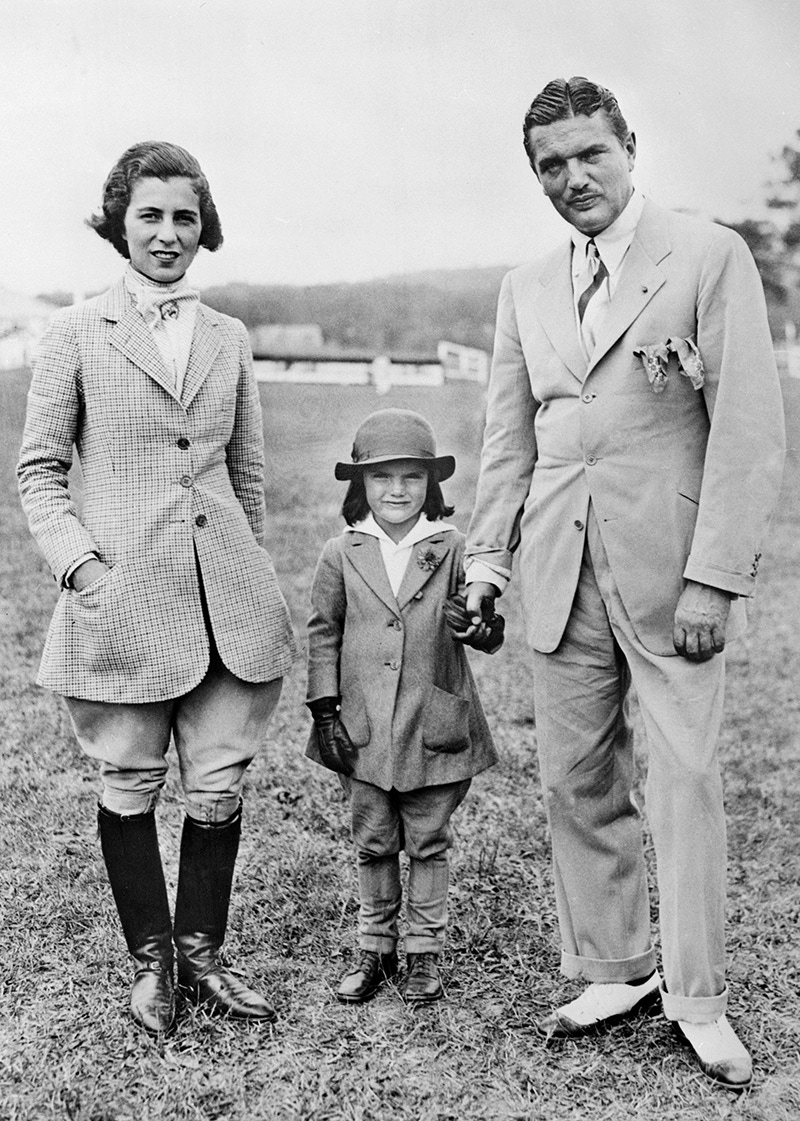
[
  {"x": 208, "y": 857},
  {"x": 130, "y": 850}
]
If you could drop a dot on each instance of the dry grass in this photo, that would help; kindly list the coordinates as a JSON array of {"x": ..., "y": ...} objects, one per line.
[{"x": 70, "y": 1051}]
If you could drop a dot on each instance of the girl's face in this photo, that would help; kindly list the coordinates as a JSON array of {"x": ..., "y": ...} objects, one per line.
[
  {"x": 163, "y": 227},
  {"x": 396, "y": 493}
]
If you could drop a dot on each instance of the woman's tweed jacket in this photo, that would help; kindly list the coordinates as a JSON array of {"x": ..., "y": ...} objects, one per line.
[
  {"x": 173, "y": 490},
  {"x": 409, "y": 701}
]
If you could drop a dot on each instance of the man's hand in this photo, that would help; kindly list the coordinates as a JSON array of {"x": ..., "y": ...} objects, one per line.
[
  {"x": 700, "y": 621},
  {"x": 480, "y": 608},
  {"x": 87, "y": 573}
]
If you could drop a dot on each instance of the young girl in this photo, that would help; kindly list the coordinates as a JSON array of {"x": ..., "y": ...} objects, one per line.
[{"x": 395, "y": 707}]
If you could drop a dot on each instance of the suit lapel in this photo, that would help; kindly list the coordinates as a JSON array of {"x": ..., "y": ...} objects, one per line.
[
  {"x": 639, "y": 280},
  {"x": 364, "y": 554},
  {"x": 426, "y": 556},
  {"x": 131, "y": 337},
  {"x": 554, "y": 307},
  {"x": 205, "y": 348}
]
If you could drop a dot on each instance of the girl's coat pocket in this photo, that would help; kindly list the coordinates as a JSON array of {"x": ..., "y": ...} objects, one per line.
[{"x": 446, "y": 723}]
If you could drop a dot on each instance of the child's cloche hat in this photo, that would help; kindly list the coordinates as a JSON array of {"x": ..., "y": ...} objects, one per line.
[{"x": 395, "y": 434}]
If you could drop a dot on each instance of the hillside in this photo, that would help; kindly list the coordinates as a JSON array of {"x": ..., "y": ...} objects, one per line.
[{"x": 395, "y": 313}]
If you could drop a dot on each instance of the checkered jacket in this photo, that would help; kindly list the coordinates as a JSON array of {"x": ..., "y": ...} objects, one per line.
[{"x": 173, "y": 501}]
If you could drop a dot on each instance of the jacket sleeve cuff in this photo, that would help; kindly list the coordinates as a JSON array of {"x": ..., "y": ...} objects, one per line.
[
  {"x": 737, "y": 583},
  {"x": 477, "y": 570},
  {"x": 66, "y": 580}
]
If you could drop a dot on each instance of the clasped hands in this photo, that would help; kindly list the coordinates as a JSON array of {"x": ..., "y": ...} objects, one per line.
[{"x": 473, "y": 620}]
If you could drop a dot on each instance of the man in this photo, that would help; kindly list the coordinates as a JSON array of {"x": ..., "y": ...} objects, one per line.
[{"x": 633, "y": 452}]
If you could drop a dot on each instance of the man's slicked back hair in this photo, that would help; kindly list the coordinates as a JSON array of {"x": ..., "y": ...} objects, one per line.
[{"x": 573, "y": 97}]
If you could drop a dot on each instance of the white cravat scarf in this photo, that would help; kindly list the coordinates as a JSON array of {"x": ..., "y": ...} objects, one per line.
[{"x": 170, "y": 312}]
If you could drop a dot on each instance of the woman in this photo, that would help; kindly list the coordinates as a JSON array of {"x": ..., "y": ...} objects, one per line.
[{"x": 170, "y": 623}]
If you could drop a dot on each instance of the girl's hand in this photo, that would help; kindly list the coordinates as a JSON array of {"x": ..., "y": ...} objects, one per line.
[{"x": 336, "y": 750}]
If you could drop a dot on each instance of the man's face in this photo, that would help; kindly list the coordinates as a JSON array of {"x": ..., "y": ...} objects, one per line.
[{"x": 584, "y": 169}]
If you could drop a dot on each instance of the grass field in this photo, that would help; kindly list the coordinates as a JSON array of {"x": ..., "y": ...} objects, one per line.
[{"x": 67, "y": 1047}]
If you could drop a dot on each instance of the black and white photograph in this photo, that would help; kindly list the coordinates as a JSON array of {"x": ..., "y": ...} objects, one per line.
[{"x": 400, "y": 599}]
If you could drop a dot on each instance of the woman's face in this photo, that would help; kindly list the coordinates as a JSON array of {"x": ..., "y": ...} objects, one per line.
[{"x": 163, "y": 227}]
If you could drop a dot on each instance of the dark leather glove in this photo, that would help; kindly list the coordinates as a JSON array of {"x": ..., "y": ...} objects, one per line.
[
  {"x": 488, "y": 637},
  {"x": 336, "y": 750}
]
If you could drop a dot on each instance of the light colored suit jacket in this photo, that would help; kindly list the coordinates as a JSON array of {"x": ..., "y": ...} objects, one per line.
[
  {"x": 409, "y": 700},
  {"x": 683, "y": 481},
  {"x": 173, "y": 495}
]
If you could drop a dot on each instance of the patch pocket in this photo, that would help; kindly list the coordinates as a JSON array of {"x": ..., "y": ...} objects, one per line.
[{"x": 446, "y": 724}]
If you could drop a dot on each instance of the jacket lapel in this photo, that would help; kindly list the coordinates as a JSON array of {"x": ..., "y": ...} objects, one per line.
[
  {"x": 426, "y": 556},
  {"x": 554, "y": 307},
  {"x": 639, "y": 280},
  {"x": 131, "y": 337},
  {"x": 205, "y": 348},
  {"x": 364, "y": 553}
]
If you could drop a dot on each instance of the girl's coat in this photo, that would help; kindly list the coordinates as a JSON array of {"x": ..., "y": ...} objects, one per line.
[{"x": 409, "y": 701}]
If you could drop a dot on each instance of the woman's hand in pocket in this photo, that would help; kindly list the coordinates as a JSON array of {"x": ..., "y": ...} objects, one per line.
[{"x": 87, "y": 573}]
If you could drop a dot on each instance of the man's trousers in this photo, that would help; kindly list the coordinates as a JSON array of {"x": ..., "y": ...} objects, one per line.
[{"x": 581, "y": 696}]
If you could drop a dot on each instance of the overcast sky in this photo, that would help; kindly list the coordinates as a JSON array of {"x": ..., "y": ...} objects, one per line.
[{"x": 349, "y": 139}]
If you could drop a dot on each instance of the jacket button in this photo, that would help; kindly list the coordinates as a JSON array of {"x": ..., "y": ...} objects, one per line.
[
  {"x": 418, "y": 595},
  {"x": 186, "y": 481},
  {"x": 183, "y": 443},
  {"x": 578, "y": 525},
  {"x": 591, "y": 460},
  {"x": 201, "y": 520},
  {"x": 587, "y": 398},
  {"x": 393, "y": 665}
]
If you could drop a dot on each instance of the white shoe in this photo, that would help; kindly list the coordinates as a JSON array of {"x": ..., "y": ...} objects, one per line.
[
  {"x": 599, "y": 1006},
  {"x": 723, "y": 1056}
]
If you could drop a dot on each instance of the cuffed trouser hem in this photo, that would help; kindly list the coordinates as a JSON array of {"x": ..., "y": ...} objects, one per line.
[
  {"x": 418, "y": 944},
  {"x": 695, "y": 1009},
  {"x": 608, "y": 972},
  {"x": 377, "y": 944}
]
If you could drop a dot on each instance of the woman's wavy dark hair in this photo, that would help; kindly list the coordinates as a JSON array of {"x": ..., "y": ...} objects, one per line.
[
  {"x": 355, "y": 506},
  {"x": 153, "y": 159}
]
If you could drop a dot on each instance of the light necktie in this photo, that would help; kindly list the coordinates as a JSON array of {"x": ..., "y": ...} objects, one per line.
[{"x": 596, "y": 273}]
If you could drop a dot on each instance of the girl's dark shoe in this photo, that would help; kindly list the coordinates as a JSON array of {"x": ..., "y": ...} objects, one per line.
[
  {"x": 365, "y": 979},
  {"x": 423, "y": 983},
  {"x": 208, "y": 857},
  {"x": 132, "y": 857}
]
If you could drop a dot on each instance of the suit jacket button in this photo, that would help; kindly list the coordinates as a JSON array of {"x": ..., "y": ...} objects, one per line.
[
  {"x": 579, "y": 525},
  {"x": 591, "y": 460},
  {"x": 183, "y": 443},
  {"x": 587, "y": 398},
  {"x": 418, "y": 595},
  {"x": 201, "y": 520},
  {"x": 186, "y": 480}
]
